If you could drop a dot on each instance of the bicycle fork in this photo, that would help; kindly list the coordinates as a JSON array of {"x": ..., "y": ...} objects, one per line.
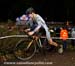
[{"x": 29, "y": 44}]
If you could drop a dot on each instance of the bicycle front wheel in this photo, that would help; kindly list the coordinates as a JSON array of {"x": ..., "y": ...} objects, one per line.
[{"x": 25, "y": 49}]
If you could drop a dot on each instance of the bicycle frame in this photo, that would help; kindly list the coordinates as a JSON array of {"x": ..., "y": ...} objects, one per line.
[
  {"x": 36, "y": 40},
  {"x": 30, "y": 43}
]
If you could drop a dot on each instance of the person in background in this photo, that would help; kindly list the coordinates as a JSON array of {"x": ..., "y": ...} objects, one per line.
[
  {"x": 64, "y": 36},
  {"x": 21, "y": 22},
  {"x": 73, "y": 36}
]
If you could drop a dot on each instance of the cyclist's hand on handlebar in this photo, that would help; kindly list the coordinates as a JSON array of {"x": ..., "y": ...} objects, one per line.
[{"x": 30, "y": 33}]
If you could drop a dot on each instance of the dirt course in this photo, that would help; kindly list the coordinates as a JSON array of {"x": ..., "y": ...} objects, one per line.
[{"x": 51, "y": 58}]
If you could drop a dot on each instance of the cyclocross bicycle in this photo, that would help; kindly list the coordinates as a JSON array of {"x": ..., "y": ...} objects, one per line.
[{"x": 26, "y": 48}]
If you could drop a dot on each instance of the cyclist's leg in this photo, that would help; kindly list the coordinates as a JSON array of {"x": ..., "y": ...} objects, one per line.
[
  {"x": 51, "y": 42},
  {"x": 45, "y": 31}
]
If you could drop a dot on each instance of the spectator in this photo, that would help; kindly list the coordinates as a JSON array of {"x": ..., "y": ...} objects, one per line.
[
  {"x": 64, "y": 36},
  {"x": 73, "y": 36}
]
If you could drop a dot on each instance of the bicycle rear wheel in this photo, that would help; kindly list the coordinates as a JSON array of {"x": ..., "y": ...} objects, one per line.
[{"x": 22, "y": 52}]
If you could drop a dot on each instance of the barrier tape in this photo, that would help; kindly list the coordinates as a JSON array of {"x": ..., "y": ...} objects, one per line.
[{"x": 22, "y": 36}]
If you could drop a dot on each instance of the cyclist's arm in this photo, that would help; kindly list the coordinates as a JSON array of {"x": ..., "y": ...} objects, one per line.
[
  {"x": 39, "y": 22},
  {"x": 37, "y": 28}
]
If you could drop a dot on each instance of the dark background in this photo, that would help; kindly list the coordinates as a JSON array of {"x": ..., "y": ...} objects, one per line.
[{"x": 53, "y": 10}]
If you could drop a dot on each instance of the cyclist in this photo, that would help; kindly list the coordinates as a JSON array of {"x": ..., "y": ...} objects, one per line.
[{"x": 40, "y": 24}]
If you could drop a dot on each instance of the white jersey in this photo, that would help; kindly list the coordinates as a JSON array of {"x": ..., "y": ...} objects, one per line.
[{"x": 40, "y": 23}]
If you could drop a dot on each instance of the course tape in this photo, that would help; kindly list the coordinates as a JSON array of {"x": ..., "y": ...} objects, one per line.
[{"x": 22, "y": 36}]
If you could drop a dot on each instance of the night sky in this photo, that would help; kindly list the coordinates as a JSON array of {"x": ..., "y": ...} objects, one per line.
[{"x": 54, "y": 10}]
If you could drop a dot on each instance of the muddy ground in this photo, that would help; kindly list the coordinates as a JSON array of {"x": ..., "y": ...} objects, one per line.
[{"x": 51, "y": 58}]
